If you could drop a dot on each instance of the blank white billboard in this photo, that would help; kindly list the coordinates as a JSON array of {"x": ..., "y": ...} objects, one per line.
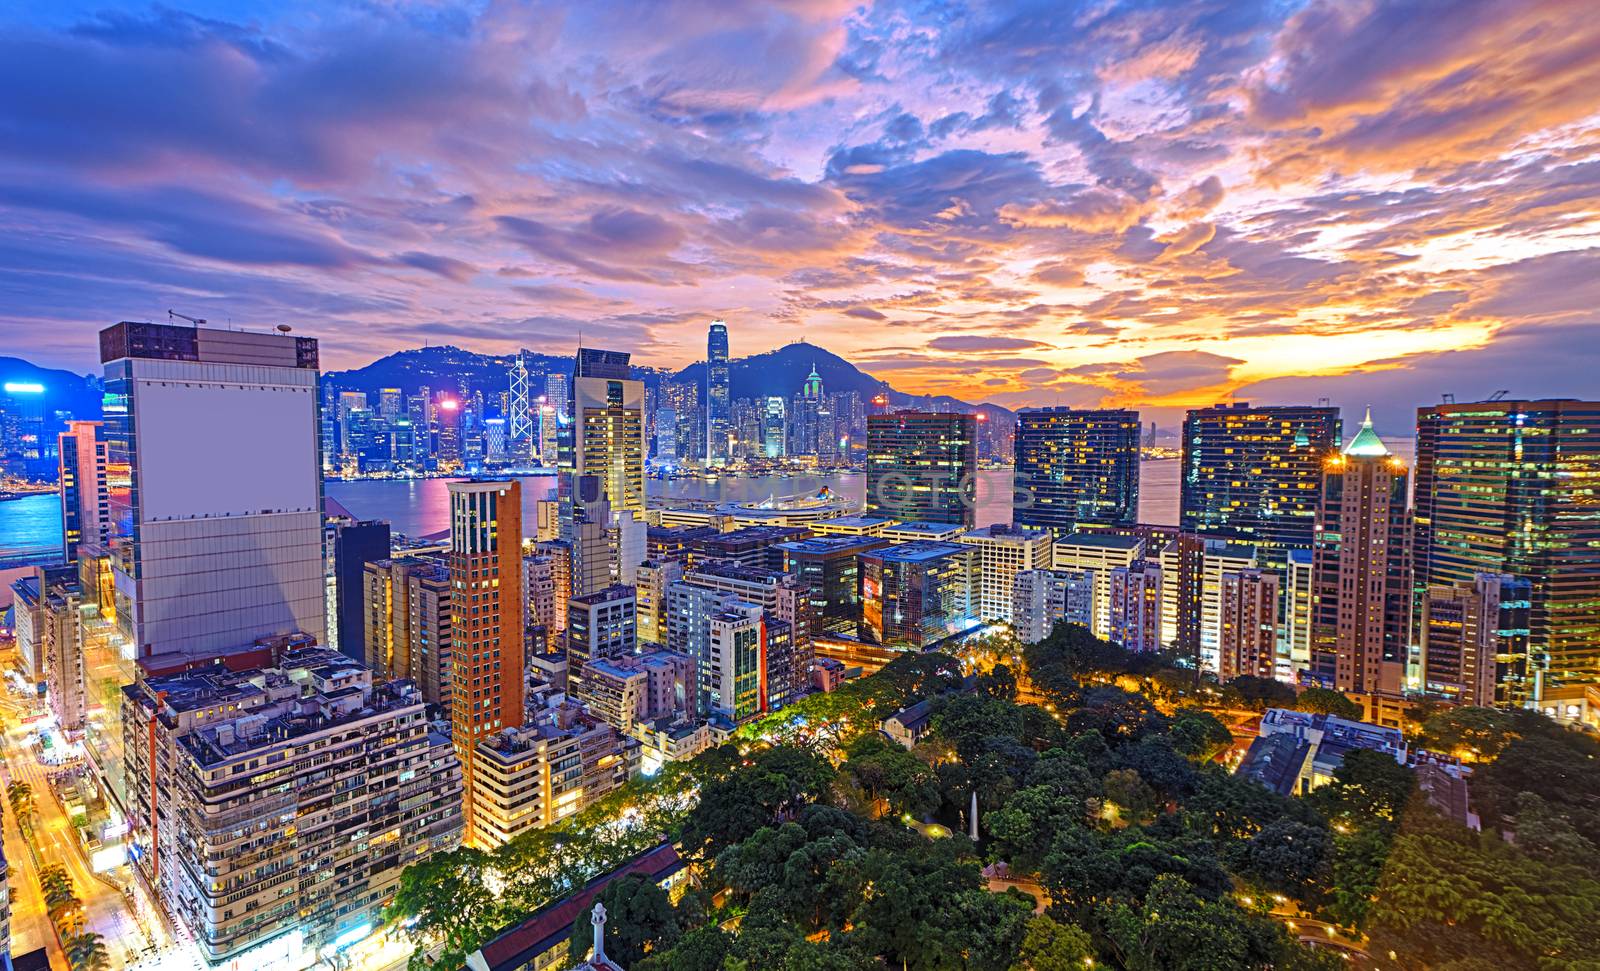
[{"x": 224, "y": 450}]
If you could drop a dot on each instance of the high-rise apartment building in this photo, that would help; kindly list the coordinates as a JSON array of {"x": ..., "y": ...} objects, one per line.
[
  {"x": 1255, "y": 474},
  {"x": 920, "y": 466},
  {"x": 85, "y": 497},
  {"x": 407, "y": 629},
  {"x": 486, "y": 610},
  {"x": 741, "y": 644},
  {"x": 217, "y": 537},
  {"x": 1510, "y": 487},
  {"x": 1040, "y": 599},
  {"x": 1362, "y": 595},
  {"x": 718, "y": 397},
  {"x": 1003, "y": 552},
  {"x": 1076, "y": 467},
  {"x": 1136, "y": 606},
  {"x": 1098, "y": 553},
  {"x": 1299, "y": 594},
  {"x": 245, "y": 787},
  {"x": 1474, "y": 638},
  {"x": 1249, "y": 634}
]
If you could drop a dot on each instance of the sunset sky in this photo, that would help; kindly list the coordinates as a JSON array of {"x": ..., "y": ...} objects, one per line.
[{"x": 1154, "y": 203}]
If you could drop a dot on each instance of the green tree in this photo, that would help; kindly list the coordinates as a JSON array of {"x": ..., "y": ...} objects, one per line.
[
  {"x": 443, "y": 900},
  {"x": 1130, "y": 794},
  {"x": 1199, "y": 735},
  {"x": 86, "y": 951},
  {"x": 1290, "y": 857},
  {"x": 885, "y": 770},
  {"x": 1050, "y": 945},
  {"x": 1477, "y": 734},
  {"x": 1249, "y": 691},
  {"x": 1326, "y": 701},
  {"x": 702, "y": 949},
  {"x": 639, "y": 919}
]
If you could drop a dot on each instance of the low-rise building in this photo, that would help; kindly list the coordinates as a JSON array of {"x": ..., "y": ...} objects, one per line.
[
  {"x": 1298, "y": 751},
  {"x": 561, "y": 761}
]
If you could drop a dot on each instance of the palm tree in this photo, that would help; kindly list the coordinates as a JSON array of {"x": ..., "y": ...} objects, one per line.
[
  {"x": 20, "y": 795},
  {"x": 86, "y": 951}
]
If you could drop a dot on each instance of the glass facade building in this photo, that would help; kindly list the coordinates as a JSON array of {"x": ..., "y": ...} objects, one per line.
[
  {"x": 1513, "y": 487},
  {"x": 1255, "y": 474},
  {"x": 920, "y": 466},
  {"x": 1076, "y": 467}
]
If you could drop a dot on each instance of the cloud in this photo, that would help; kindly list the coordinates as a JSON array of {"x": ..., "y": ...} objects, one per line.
[
  {"x": 979, "y": 343},
  {"x": 865, "y": 313}
]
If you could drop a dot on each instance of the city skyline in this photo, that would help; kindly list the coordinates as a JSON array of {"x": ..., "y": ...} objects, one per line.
[{"x": 1254, "y": 202}]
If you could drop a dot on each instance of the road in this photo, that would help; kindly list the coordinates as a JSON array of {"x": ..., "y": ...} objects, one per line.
[{"x": 108, "y": 904}]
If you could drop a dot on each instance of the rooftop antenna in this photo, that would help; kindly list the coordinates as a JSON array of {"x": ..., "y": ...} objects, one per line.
[
  {"x": 196, "y": 321},
  {"x": 284, "y": 328},
  {"x": 1448, "y": 398}
]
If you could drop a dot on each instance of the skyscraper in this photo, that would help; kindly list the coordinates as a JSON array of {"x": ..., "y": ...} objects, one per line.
[
  {"x": 407, "y": 621},
  {"x": 920, "y": 466},
  {"x": 486, "y": 638},
  {"x": 355, "y": 544},
  {"x": 1361, "y": 570},
  {"x": 519, "y": 426},
  {"x": 1255, "y": 473},
  {"x": 1511, "y": 487},
  {"x": 719, "y": 403},
  {"x": 774, "y": 422},
  {"x": 1474, "y": 639},
  {"x": 1076, "y": 468},
  {"x": 85, "y": 499},
  {"x": 217, "y": 537},
  {"x": 608, "y": 428}
]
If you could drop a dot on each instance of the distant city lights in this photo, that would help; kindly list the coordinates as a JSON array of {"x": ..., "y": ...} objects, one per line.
[{"x": 24, "y": 387}]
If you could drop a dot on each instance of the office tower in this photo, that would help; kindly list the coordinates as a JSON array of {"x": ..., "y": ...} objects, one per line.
[
  {"x": 448, "y": 421},
  {"x": 1136, "y": 606},
  {"x": 1254, "y": 474},
  {"x": 390, "y": 403},
  {"x": 535, "y": 775},
  {"x": 753, "y": 546},
  {"x": 920, "y": 466},
  {"x": 556, "y": 393},
  {"x": 1474, "y": 638},
  {"x": 719, "y": 404},
  {"x": 1509, "y": 487},
  {"x": 918, "y": 594},
  {"x": 520, "y": 408},
  {"x": 599, "y": 625},
  {"x": 1041, "y": 599},
  {"x": 774, "y": 425},
  {"x": 1003, "y": 551},
  {"x": 355, "y": 544},
  {"x": 734, "y": 672},
  {"x": 608, "y": 428},
  {"x": 666, "y": 437},
  {"x": 495, "y": 446},
  {"x": 547, "y": 513},
  {"x": 1361, "y": 564},
  {"x": 651, "y": 581},
  {"x": 85, "y": 498},
  {"x": 407, "y": 629},
  {"x": 1249, "y": 635},
  {"x": 218, "y": 515},
  {"x": 1099, "y": 553},
  {"x": 712, "y": 588},
  {"x": 1075, "y": 468},
  {"x": 245, "y": 786},
  {"x": 328, "y": 428},
  {"x": 830, "y": 568},
  {"x": 606, "y": 549},
  {"x": 487, "y": 626}
]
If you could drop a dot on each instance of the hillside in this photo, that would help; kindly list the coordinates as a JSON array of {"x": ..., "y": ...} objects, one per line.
[{"x": 76, "y": 394}]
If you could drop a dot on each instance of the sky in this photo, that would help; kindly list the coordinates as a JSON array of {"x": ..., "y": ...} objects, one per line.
[{"x": 1155, "y": 204}]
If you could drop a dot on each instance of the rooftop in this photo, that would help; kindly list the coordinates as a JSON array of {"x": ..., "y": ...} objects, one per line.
[
  {"x": 817, "y": 545},
  {"x": 919, "y": 551},
  {"x": 1107, "y": 541}
]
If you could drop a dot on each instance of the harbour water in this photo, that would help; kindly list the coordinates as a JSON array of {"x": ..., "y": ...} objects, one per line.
[
  {"x": 421, "y": 507},
  {"x": 30, "y": 527}
]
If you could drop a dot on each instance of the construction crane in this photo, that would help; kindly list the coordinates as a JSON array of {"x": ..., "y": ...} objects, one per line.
[
  {"x": 1499, "y": 395},
  {"x": 196, "y": 321}
]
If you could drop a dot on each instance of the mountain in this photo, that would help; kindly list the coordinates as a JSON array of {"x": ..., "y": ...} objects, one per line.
[
  {"x": 778, "y": 372},
  {"x": 783, "y": 371},
  {"x": 76, "y": 394}
]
